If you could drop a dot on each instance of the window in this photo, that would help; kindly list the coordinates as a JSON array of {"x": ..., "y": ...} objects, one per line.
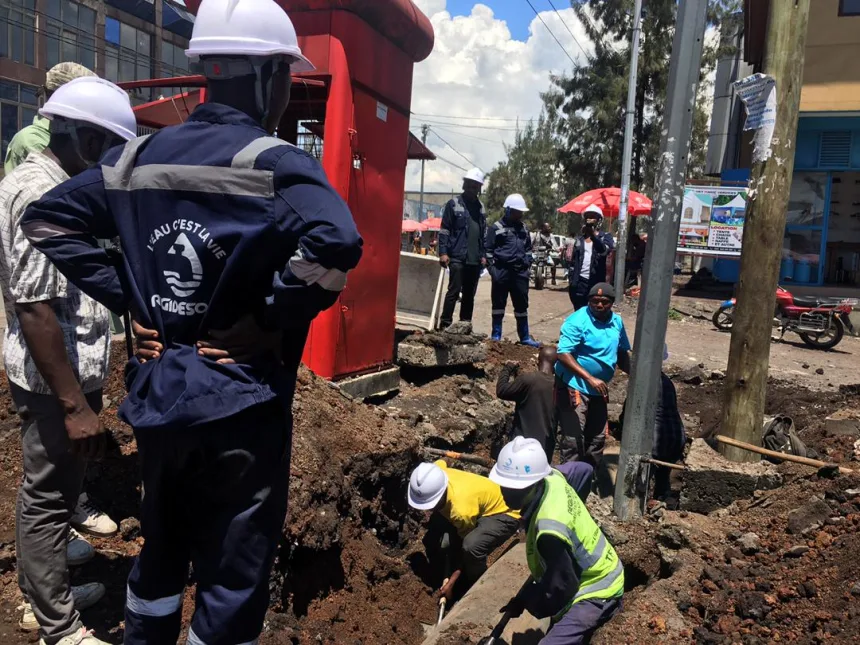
[
  {"x": 18, "y": 31},
  {"x": 849, "y": 7},
  {"x": 18, "y": 105},
  {"x": 128, "y": 54},
  {"x": 71, "y": 34},
  {"x": 173, "y": 59}
]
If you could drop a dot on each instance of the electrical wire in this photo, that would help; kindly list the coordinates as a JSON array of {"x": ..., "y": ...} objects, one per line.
[
  {"x": 469, "y": 126},
  {"x": 438, "y": 136},
  {"x": 450, "y": 163},
  {"x": 470, "y": 136},
  {"x": 578, "y": 44},
  {"x": 471, "y": 118},
  {"x": 552, "y": 34}
]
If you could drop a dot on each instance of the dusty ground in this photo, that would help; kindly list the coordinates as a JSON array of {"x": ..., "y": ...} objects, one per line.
[{"x": 350, "y": 568}]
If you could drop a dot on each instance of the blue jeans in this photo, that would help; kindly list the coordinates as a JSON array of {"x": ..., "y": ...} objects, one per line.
[
  {"x": 215, "y": 497},
  {"x": 580, "y": 622}
]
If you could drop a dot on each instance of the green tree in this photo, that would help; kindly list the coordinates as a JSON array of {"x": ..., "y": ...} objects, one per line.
[{"x": 532, "y": 168}]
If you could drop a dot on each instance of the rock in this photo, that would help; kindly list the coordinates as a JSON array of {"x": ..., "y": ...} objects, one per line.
[
  {"x": 614, "y": 534},
  {"x": 733, "y": 553},
  {"x": 823, "y": 540},
  {"x": 713, "y": 574},
  {"x": 820, "y": 371},
  {"x": 712, "y": 483},
  {"x": 808, "y": 516},
  {"x": 658, "y": 625},
  {"x": 806, "y": 366},
  {"x": 465, "y": 388},
  {"x": 461, "y": 327},
  {"x": 422, "y": 354},
  {"x": 843, "y": 423},
  {"x": 7, "y": 557},
  {"x": 808, "y": 589},
  {"x": 129, "y": 528},
  {"x": 855, "y": 590},
  {"x": 750, "y": 543},
  {"x": 672, "y": 536},
  {"x": 469, "y": 400},
  {"x": 106, "y": 402},
  {"x": 718, "y": 375},
  {"x": 751, "y": 605},
  {"x": 694, "y": 375},
  {"x": 797, "y": 551}
]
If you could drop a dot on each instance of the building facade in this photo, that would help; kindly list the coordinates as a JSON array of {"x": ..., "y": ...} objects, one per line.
[
  {"x": 822, "y": 236},
  {"x": 121, "y": 40}
]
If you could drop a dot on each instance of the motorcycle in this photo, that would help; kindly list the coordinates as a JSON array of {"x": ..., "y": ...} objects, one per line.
[
  {"x": 820, "y": 322},
  {"x": 540, "y": 266}
]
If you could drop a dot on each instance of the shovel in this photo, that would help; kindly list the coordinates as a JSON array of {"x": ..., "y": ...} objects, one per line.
[
  {"x": 442, "y": 602},
  {"x": 495, "y": 636}
]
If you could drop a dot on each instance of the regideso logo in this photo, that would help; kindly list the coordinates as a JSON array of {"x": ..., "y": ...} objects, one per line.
[{"x": 179, "y": 281}]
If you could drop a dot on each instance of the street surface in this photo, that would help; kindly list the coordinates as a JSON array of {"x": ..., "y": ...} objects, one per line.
[{"x": 690, "y": 341}]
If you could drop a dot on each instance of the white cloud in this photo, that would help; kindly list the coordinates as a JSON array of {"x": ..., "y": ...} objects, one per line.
[{"x": 478, "y": 70}]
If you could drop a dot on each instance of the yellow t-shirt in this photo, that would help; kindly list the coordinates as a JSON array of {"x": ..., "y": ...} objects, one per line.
[{"x": 471, "y": 497}]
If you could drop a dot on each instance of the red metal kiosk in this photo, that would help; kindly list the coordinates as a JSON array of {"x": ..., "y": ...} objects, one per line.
[{"x": 359, "y": 100}]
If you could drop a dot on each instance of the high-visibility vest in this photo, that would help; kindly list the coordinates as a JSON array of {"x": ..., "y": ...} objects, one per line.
[{"x": 563, "y": 515}]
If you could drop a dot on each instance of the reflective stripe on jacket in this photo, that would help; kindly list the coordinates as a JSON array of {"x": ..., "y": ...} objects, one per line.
[
  {"x": 217, "y": 220},
  {"x": 562, "y": 514},
  {"x": 454, "y": 234}
]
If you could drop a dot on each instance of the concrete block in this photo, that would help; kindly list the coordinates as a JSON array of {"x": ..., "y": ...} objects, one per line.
[
  {"x": 478, "y": 611},
  {"x": 844, "y": 423},
  {"x": 712, "y": 482},
  {"x": 426, "y": 355},
  {"x": 419, "y": 290},
  {"x": 374, "y": 384}
]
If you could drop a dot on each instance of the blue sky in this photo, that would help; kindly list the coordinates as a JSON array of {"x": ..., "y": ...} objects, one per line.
[{"x": 516, "y": 13}]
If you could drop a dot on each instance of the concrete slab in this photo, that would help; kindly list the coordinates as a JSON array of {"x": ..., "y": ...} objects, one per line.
[
  {"x": 426, "y": 355},
  {"x": 712, "y": 482},
  {"x": 376, "y": 384},
  {"x": 844, "y": 423},
  {"x": 478, "y": 611}
]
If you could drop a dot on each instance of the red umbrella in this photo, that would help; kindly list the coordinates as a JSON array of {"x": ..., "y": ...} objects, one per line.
[
  {"x": 411, "y": 226},
  {"x": 609, "y": 201},
  {"x": 431, "y": 224}
]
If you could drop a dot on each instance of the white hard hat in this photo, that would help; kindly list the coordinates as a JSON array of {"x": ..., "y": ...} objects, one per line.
[
  {"x": 426, "y": 486},
  {"x": 516, "y": 202},
  {"x": 594, "y": 208},
  {"x": 475, "y": 174},
  {"x": 94, "y": 101},
  {"x": 245, "y": 28},
  {"x": 521, "y": 463}
]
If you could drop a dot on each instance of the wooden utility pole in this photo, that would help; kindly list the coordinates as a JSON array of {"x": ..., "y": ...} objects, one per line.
[{"x": 764, "y": 230}]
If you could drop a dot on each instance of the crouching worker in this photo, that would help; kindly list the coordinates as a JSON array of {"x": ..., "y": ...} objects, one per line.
[
  {"x": 578, "y": 577},
  {"x": 470, "y": 520}
]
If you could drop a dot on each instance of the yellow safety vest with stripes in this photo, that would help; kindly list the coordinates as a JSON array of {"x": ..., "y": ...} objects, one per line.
[{"x": 562, "y": 514}]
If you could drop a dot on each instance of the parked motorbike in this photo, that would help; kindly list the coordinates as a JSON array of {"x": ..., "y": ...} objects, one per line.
[
  {"x": 820, "y": 322},
  {"x": 540, "y": 266}
]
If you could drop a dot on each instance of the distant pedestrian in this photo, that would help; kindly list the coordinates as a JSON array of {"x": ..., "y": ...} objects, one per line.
[
  {"x": 461, "y": 247},
  {"x": 509, "y": 253},
  {"x": 669, "y": 437},
  {"x": 534, "y": 414},
  {"x": 593, "y": 343},
  {"x": 588, "y": 257},
  {"x": 543, "y": 238}
]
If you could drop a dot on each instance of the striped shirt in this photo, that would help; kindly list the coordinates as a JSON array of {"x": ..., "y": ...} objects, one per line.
[{"x": 27, "y": 276}]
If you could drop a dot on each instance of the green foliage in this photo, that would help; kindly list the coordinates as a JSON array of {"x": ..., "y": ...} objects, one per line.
[{"x": 577, "y": 144}]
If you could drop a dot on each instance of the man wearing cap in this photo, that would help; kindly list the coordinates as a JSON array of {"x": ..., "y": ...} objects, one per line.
[
  {"x": 226, "y": 230},
  {"x": 593, "y": 343},
  {"x": 577, "y": 578},
  {"x": 469, "y": 510},
  {"x": 461, "y": 247},
  {"x": 509, "y": 254},
  {"x": 56, "y": 350},
  {"x": 35, "y": 137},
  {"x": 588, "y": 257}
]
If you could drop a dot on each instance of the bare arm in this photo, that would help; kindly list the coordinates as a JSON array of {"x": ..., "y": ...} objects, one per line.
[
  {"x": 570, "y": 363},
  {"x": 44, "y": 338},
  {"x": 624, "y": 361}
]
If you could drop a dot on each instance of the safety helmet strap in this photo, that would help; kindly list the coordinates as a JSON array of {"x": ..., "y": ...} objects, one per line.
[
  {"x": 224, "y": 68},
  {"x": 71, "y": 127}
]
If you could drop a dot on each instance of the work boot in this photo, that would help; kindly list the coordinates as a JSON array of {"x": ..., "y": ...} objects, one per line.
[
  {"x": 88, "y": 519},
  {"x": 84, "y": 596},
  {"x": 78, "y": 550},
  {"x": 497, "y": 327},
  {"x": 82, "y": 637},
  {"x": 523, "y": 331}
]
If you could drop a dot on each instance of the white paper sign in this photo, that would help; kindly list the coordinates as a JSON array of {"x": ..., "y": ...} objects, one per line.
[
  {"x": 758, "y": 93},
  {"x": 381, "y": 111}
]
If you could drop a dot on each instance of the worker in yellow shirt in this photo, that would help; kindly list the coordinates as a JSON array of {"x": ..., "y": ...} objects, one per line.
[{"x": 469, "y": 513}]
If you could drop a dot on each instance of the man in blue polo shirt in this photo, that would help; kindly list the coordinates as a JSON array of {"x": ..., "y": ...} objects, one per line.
[{"x": 593, "y": 343}]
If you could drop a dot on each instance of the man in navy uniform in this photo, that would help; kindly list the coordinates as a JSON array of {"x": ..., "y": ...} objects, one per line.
[
  {"x": 222, "y": 227},
  {"x": 461, "y": 247}
]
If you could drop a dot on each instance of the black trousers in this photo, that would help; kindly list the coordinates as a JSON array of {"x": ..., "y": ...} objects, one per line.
[
  {"x": 578, "y": 293},
  {"x": 462, "y": 278}
]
